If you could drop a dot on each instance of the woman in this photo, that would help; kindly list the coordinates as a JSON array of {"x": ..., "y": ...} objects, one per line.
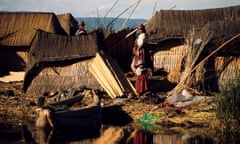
[{"x": 140, "y": 51}]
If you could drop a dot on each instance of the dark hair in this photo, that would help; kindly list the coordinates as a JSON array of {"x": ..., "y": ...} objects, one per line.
[{"x": 141, "y": 27}]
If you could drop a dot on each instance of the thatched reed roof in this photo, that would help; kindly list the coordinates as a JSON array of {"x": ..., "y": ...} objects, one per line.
[
  {"x": 19, "y": 28},
  {"x": 49, "y": 47},
  {"x": 68, "y": 23},
  {"x": 177, "y": 23},
  {"x": 52, "y": 48}
]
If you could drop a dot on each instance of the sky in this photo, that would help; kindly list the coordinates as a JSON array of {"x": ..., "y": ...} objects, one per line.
[{"x": 100, "y": 8}]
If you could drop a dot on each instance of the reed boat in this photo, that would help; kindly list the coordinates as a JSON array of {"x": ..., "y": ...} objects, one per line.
[{"x": 86, "y": 117}]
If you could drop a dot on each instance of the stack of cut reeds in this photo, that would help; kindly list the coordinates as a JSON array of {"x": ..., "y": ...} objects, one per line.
[{"x": 110, "y": 76}]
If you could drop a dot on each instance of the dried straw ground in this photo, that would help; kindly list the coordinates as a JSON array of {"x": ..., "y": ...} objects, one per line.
[{"x": 17, "y": 108}]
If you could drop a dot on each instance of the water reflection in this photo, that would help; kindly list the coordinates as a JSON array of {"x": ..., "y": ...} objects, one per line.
[
  {"x": 116, "y": 129},
  {"x": 117, "y": 135},
  {"x": 46, "y": 136},
  {"x": 182, "y": 138}
]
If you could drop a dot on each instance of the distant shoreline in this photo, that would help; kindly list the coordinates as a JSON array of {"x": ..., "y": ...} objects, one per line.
[{"x": 93, "y": 22}]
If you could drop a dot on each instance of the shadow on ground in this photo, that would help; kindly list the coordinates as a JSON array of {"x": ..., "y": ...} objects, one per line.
[{"x": 114, "y": 115}]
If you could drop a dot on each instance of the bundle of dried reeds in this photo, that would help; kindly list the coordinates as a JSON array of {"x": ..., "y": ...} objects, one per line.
[
  {"x": 196, "y": 42},
  {"x": 110, "y": 76},
  {"x": 194, "y": 67}
]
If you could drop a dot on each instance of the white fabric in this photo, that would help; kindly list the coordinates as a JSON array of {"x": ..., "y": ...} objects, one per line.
[
  {"x": 194, "y": 101},
  {"x": 187, "y": 95},
  {"x": 184, "y": 99},
  {"x": 139, "y": 71},
  {"x": 141, "y": 39},
  {"x": 79, "y": 32}
]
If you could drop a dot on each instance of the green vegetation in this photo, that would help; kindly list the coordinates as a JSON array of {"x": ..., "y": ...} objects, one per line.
[
  {"x": 228, "y": 103},
  {"x": 228, "y": 111}
]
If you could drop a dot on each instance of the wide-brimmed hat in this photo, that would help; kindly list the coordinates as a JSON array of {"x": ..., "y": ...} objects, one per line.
[{"x": 81, "y": 23}]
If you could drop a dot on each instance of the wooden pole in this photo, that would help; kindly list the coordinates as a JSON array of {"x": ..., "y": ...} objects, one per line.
[
  {"x": 108, "y": 12},
  {"x": 212, "y": 53},
  {"x": 154, "y": 8},
  {"x": 125, "y": 22},
  {"x": 120, "y": 14},
  {"x": 206, "y": 58}
]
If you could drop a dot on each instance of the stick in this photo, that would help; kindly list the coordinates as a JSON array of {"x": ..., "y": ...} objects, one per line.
[
  {"x": 125, "y": 22},
  {"x": 120, "y": 15},
  {"x": 220, "y": 47},
  {"x": 108, "y": 11},
  {"x": 172, "y": 7},
  {"x": 154, "y": 8},
  {"x": 132, "y": 32},
  {"x": 129, "y": 34}
]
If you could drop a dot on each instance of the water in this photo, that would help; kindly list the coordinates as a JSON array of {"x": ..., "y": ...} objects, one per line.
[
  {"x": 118, "y": 135},
  {"x": 106, "y": 134}
]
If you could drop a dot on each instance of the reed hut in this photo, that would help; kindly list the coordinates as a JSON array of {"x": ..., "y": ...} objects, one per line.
[
  {"x": 183, "y": 39},
  {"x": 177, "y": 23},
  {"x": 59, "y": 63},
  {"x": 17, "y": 32}
]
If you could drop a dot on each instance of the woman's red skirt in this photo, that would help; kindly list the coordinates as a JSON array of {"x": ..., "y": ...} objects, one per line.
[{"x": 141, "y": 84}]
